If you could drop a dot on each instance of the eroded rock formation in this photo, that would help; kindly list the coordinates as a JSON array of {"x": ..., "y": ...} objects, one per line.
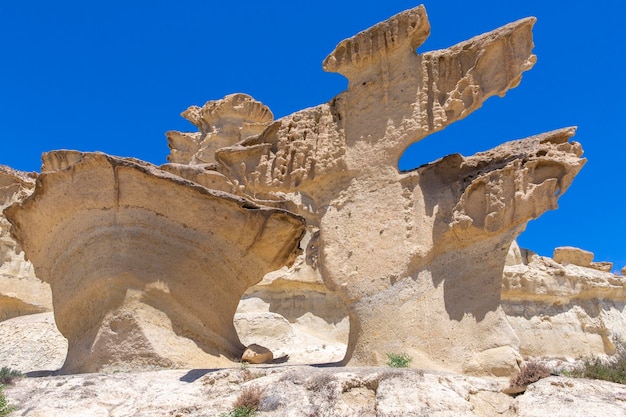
[
  {"x": 563, "y": 311},
  {"x": 412, "y": 246},
  {"x": 220, "y": 123},
  {"x": 146, "y": 268},
  {"x": 21, "y": 292},
  {"x": 416, "y": 257}
]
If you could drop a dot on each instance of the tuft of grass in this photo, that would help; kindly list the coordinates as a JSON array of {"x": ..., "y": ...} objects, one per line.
[
  {"x": 529, "y": 373},
  {"x": 5, "y": 408},
  {"x": 8, "y": 375},
  {"x": 398, "y": 360},
  {"x": 612, "y": 369},
  {"x": 240, "y": 412},
  {"x": 247, "y": 403}
]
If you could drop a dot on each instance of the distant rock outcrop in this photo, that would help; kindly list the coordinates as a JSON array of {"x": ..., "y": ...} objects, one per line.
[
  {"x": 568, "y": 255},
  {"x": 21, "y": 292},
  {"x": 564, "y": 310}
]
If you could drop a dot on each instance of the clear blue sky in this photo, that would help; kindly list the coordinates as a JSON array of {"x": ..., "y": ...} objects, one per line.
[{"x": 114, "y": 76}]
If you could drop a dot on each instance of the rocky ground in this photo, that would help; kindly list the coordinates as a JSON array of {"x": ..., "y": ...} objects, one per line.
[{"x": 308, "y": 391}]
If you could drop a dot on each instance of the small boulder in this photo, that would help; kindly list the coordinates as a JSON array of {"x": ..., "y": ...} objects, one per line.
[
  {"x": 570, "y": 255},
  {"x": 602, "y": 266},
  {"x": 257, "y": 354}
]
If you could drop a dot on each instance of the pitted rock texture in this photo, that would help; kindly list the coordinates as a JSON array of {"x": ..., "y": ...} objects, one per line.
[
  {"x": 563, "y": 311},
  {"x": 146, "y": 268},
  {"x": 220, "y": 123},
  {"x": 416, "y": 257},
  {"x": 459, "y": 218},
  {"x": 395, "y": 98},
  {"x": 416, "y": 245}
]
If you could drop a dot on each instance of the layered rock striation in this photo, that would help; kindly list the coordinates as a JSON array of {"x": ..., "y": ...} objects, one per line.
[
  {"x": 563, "y": 311},
  {"x": 146, "y": 268},
  {"x": 415, "y": 257},
  {"x": 21, "y": 293}
]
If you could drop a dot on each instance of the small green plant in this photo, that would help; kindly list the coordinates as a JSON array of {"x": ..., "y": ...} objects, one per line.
[
  {"x": 612, "y": 369},
  {"x": 247, "y": 403},
  {"x": 7, "y": 375},
  {"x": 398, "y": 360},
  {"x": 5, "y": 408},
  {"x": 241, "y": 411}
]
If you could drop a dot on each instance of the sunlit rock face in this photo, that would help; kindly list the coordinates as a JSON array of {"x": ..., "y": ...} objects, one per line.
[
  {"x": 21, "y": 293},
  {"x": 417, "y": 257},
  {"x": 220, "y": 123},
  {"x": 563, "y": 310},
  {"x": 146, "y": 268}
]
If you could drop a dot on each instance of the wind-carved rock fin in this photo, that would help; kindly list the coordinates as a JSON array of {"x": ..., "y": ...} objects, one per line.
[
  {"x": 397, "y": 97},
  {"x": 403, "y": 32},
  {"x": 513, "y": 183},
  {"x": 457, "y": 80}
]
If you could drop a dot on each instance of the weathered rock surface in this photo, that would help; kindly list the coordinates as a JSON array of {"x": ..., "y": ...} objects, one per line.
[
  {"x": 569, "y": 255},
  {"x": 414, "y": 259},
  {"x": 220, "y": 123},
  {"x": 456, "y": 239},
  {"x": 21, "y": 292},
  {"x": 305, "y": 391},
  {"x": 32, "y": 343},
  {"x": 293, "y": 313},
  {"x": 563, "y": 311},
  {"x": 146, "y": 268},
  {"x": 433, "y": 236}
]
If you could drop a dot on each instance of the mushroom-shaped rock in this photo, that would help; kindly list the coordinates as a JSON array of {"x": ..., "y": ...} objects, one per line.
[
  {"x": 220, "y": 123},
  {"x": 146, "y": 268}
]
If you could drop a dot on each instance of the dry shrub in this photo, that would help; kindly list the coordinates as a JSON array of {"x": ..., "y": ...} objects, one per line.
[
  {"x": 248, "y": 375},
  {"x": 529, "y": 373},
  {"x": 612, "y": 369},
  {"x": 250, "y": 397},
  {"x": 323, "y": 394},
  {"x": 7, "y": 375},
  {"x": 320, "y": 382}
]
